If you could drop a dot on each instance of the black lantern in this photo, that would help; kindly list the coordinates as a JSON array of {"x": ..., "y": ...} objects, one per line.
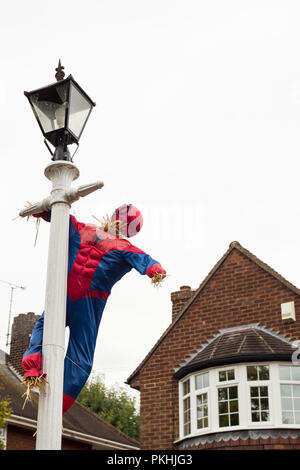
[{"x": 62, "y": 110}]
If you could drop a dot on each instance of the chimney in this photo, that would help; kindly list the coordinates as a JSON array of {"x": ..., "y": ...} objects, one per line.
[
  {"x": 20, "y": 336},
  {"x": 179, "y": 299}
]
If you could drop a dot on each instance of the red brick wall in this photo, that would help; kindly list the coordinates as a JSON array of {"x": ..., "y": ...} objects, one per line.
[
  {"x": 239, "y": 293},
  {"x": 22, "y": 439},
  {"x": 19, "y": 439}
]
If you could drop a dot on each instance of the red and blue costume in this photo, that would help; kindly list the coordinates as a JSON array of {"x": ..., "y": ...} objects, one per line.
[{"x": 97, "y": 260}]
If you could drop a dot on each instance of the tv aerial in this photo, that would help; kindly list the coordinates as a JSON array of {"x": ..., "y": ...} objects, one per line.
[{"x": 12, "y": 288}]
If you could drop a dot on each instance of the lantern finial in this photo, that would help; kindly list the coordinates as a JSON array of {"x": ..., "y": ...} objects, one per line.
[{"x": 59, "y": 72}]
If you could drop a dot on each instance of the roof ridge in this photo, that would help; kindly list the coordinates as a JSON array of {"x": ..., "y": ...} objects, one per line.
[
  {"x": 242, "y": 344},
  {"x": 264, "y": 341},
  {"x": 215, "y": 347}
]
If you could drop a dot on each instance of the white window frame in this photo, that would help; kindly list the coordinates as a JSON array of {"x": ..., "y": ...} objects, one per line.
[
  {"x": 240, "y": 380},
  {"x": 286, "y": 382},
  {"x": 200, "y": 391},
  {"x": 199, "y": 394},
  {"x": 182, "y": 397},
  {"x": 261, "y": 383},
  {"x": 225, "y": 384}
]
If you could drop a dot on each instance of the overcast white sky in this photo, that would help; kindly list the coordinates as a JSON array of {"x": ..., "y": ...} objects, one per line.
[{"x": 197, "y": 123}]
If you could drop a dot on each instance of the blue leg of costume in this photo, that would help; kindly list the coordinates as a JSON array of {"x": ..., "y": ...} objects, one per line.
[{"x": 83, "y": 318}]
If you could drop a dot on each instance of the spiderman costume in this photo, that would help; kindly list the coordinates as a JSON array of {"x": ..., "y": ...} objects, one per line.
[{"x": 97, "y": 260}]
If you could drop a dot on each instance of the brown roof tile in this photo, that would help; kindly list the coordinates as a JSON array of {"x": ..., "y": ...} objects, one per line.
[{"x": 252, "y": 343}]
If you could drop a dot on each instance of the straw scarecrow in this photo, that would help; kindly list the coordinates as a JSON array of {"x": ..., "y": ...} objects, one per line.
[{"x": 99, "y": 256}]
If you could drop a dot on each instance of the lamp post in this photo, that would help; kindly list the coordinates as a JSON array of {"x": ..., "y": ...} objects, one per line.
[{"x": 62, "y": 110}]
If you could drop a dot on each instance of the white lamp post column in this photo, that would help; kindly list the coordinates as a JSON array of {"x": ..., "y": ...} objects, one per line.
[{"x": 61, "y": 174}]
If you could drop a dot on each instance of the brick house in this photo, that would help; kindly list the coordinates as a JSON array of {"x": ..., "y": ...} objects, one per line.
[
  {"x": 82, "y": 429},
  {"x": 222, "y": 375}
]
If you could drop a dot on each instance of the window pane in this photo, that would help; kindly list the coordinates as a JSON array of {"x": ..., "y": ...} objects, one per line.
[
  {"x": 186, "y": 387},
  {"x": 297, "y": 418},
  {"x": 230, "y": 374},
  {"x": 297, "y": 404},
  {"x": 201, "y": 381},
  {"x": 287, "y": 417},
  {"x": 255, "y": 416},
  {"x": 223, "y": 420},
  {"x": 264, "y": 404},
  {"x": 201, "y": 400},
  {"x": 295, "y": 373},
  {"x": 233, "y": 392},
  {"x": 285, "y": 373},
  {"x": 254, "y": 391},
  {"x": 222, "y": 394},
  {"x": 206, "y": 380},
  {"x": 254, "y": 404},
  {"x": 265, "y": 416},
  {"x": 187, "y": 429},
  {"x": 234, "y": 406},
  {"x": 287, "y": 404},
  {"x": 234, "y": 419},
  {"x": 198, "y": 382},
  {"x": 286, "y": 390},
  {"x": 222, "y": 376},
  {"x": 263, "y": 372},
  {"x": 252, "y": 373},
  {"x": 223, "y": 407},
  {"x": 263, "y": 391},
  {"x": 296, "y": 390},
  {"x": 206, "y": 422},
  {"x": 186, "y": 404}
]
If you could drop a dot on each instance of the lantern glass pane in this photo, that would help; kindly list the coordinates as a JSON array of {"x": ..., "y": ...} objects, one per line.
[
  {"x": 79, "y": 111},
  {"x": 49, "y": 106}
]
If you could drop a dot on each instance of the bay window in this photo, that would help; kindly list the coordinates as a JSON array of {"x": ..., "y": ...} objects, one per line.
[{"x": 242, "y": 396}]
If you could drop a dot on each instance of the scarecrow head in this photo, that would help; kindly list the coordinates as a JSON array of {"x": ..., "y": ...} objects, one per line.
[{"x": 126, "y": 221}]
